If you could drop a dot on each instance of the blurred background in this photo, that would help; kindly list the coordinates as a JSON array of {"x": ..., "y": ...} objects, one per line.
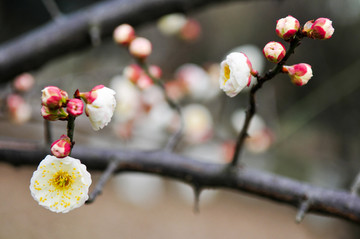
[{"x": 309, "y": 133}]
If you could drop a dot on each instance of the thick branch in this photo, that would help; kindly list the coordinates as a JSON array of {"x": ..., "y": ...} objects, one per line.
[
  {"x": 329, "y": 202},
  {"x": 71, "y": 32}
]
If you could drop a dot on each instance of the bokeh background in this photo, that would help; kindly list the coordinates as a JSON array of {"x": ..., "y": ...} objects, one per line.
[{"x": 314, "y": 129}]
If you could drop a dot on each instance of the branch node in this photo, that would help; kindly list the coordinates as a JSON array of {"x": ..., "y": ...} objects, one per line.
[
  {"x": 197, "y": 191},
  {"x": 303, "y": 209},
  {"x": 355, "y": 185}
]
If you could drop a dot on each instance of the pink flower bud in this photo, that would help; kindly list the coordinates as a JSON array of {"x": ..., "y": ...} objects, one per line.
[
  {"x": 53, "y": 97},
  {"x": 75, "y": 107},
  {"x": 299, "y": 74},
  {"x": 321, "y": 28},
  {"x": 140, "y": 47},
  {"x": 155, "y": 71},
  {"x": 100, "y": 105},
  {"x": 61, "y": 147},
  {"x": 19, "y": 110},
  {"x": 24, "y": 82},
  {"x": 236, "y": 71},
  {"x": 124, "y": 34},
  {"x": 287, "y": 27},
  {"x": 53, "y": 114},
  {"x": 132, "y": 72},
  {"x": 191, "y": 31},
  {"x": 144, "y": 81},
  {"x": 274, "y": 51}
]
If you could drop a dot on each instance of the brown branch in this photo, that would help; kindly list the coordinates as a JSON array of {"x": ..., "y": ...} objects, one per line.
[
  {"x": 330, "y": 202},
  {"x": 71, "y": 32}
]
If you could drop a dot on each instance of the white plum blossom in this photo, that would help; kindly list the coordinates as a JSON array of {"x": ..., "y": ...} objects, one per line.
[
  {"x": 235, "y": 73},
  {"x": 60, "y": 184},
  {"x": 100, "y": 106}
]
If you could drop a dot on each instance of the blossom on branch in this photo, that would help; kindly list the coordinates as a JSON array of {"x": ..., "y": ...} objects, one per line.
[
  {"x": 75, "y": 107},
  {"x": 321, "y": 28},
  {"x": 124, "y": 34},
  {"x": 287, "y": 27},
  {"x": 100, "y": 105},
  {"x": 60, "y": 185},
  {"x": 53, "y": 97},
  {"x": 140, "y": 47},
  {"x": 274, "y": 51},
  {"x": 236, "y": 71},
  {"x": 61, "y": 147},
  {"x": 299, "y": 74}
]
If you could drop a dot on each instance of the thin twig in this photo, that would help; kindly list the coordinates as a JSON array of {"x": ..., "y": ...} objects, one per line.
[
  {"x": 47, "y": 132},
  {"x": 112, "y": 167},
  {"x": 53, "y": 9}
]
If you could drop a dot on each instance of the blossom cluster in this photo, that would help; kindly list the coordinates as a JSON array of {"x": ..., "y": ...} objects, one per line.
[
  {"x": 100, "y": 105},
  {"x": 236, "y": 69},
  {"x": 61, "y": 182}
]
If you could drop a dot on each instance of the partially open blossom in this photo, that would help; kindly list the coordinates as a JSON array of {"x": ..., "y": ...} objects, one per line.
[
  {"x": 53, "y": 114},
  {"x": 274, "y": 51},
  {"x": 236, "y": 71},
  {"x": 321, "y": 28},
  {"x": 144, "y": 81},
  {"x": 24, "y": 82},
  {"x": 100, "y": 105},
  {"x": 53, "y": 97},
  {"x": 75, "y": 107},
  {"x": 299, "y": 74},
  {"x": 140, "y": 47},
  {"x": 124, "y": 34},
  {"x": 60, "y": 184},
  {"x": 287, "y": 27},
  {"x": 61, "y": 147}
]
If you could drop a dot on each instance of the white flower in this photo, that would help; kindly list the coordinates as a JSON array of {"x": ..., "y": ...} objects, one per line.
[
  {"x": 235, "y": 73},
  {"x": 198, "y": 123},
  {"x": 100, "y": 106},
  {"x": 60, "y": 184}
]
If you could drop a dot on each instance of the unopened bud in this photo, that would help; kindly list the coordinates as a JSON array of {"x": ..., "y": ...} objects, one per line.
[
  {"x": 53, "y": 114},
  {"x": 75, "y": 107},
  {"x": 191, "y": 30},
  {"x": 61, "y": 147},
  {"x": 24, "y": 82},
  {"x": 140, "y": 47},
  {"x": 320, "y": 29},
  {"x": 287, "y": 27},
  {"x": 155, "y": 71},
  {"x": 132, "y": 72},
  {"x": 124, "y": 34},
  {"x": 299, "y": 74},
  {"x": 274, "y": 51},
  {"x": 53, "y": 97}
]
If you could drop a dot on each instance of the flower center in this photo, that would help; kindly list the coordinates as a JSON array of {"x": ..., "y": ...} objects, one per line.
[
  {"x": 61, "y": 180},
  {"x": 226, "y": 72}
]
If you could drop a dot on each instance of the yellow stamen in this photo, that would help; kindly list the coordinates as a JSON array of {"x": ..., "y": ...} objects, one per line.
[
  {"x": 226, "y": 73},
  {"x": 61, "y": 180}
]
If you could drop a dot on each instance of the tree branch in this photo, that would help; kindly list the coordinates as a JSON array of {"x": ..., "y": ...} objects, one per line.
[
  {"x": 72, "y": 32},
  {"x": 330, "y": 202}
]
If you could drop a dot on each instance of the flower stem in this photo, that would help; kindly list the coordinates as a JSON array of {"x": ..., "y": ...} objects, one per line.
[
  {"x": 251, "y": 110},
  {"x": 70, "y": 129}
]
